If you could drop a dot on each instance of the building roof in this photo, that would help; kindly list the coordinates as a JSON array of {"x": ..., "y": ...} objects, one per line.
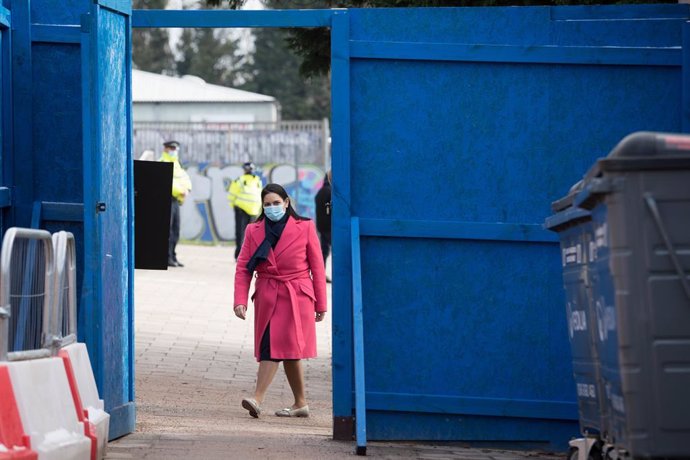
[{"x": 152, "y": 87}]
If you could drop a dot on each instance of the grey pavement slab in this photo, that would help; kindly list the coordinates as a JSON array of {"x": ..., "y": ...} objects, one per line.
[{"x": 195, "y": 362}]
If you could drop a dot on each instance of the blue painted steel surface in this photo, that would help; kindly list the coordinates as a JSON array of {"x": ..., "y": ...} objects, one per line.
[
  {"x": 358, "y": 338},
  {"x": 473, "y": 138},
  {"x": 216, "y": 18},
  {"x": 109, "y": 244}
]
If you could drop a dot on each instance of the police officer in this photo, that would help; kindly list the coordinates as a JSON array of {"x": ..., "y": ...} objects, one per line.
[
  {"x": 244, "y": 196},
  {"x": 181, "y": 187}
]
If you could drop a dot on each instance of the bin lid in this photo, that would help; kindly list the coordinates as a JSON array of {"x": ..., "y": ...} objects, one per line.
[
  {"x": 640, "y": 151},
  {"x": 645, "y": 150},
  {"x": 566, "y": 218},
  {"x": 567, "y": 201}
]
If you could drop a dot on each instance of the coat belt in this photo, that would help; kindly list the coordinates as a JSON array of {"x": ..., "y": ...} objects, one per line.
[{"x": 294, "y": 303}]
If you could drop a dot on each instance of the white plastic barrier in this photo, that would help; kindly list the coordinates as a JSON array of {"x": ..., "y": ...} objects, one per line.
[
  {"x": 88, "y": 393},
  {"x": 47, "y": 409}
]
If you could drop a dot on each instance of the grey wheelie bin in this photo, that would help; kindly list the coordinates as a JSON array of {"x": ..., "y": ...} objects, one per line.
[
  {"x": 639, "y": 198},
  {"x": 575, "y": 230}
]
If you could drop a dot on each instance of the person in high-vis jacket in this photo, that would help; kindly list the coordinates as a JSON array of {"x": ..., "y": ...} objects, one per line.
[
  {"x": 244, "y": 196},
  {"x": 181, "y": 186}
]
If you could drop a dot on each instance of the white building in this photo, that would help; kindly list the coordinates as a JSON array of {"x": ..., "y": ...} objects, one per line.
[{"x": 188, "y": 99}]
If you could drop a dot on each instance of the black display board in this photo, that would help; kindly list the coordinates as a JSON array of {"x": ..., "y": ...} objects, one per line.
[{"x": 152, "y": 195}]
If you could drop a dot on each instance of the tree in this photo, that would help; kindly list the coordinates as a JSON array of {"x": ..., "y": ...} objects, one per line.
[
  {"x": 209, "y": 54},
  {"x": 273, "y": 70},
  {"x": 150, "y": 47}
]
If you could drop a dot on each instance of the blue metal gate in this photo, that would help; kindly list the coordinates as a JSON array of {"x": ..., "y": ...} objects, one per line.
[
  {"x": 452, "y": 129},
  {"x": 109, "y": 206}
]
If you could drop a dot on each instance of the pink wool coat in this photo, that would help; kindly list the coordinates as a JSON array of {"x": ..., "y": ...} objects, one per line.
[{"x": 290, "y": 287}]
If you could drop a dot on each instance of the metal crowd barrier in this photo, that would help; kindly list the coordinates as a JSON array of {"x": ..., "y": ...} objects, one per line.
[
  {"x": 64, "y": 312},
  {"x": 27, "y": 277}
]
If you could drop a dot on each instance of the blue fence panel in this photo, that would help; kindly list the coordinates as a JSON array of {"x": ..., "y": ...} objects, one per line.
[
  {"x": 108, "y": 173},
  {"x": 464, "y": 124},
  {"x": 5, "y": 109}
]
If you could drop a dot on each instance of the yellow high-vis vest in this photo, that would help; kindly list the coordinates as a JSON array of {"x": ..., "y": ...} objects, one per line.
[
  {"x": 245, "y": 193},
  {"x": 182, "y": 184}
]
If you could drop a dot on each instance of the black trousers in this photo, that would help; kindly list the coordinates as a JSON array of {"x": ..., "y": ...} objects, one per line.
[
  {"x": 174, "y": 229},
  {"x": 325, "y": 239},
  {"x": 242, "y": 219}
]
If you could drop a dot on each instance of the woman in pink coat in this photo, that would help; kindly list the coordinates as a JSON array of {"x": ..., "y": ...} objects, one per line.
[{"x": 289, "y": 295}]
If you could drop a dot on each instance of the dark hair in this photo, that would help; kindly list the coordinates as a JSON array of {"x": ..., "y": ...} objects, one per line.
[{"x": 279, "y": 190}]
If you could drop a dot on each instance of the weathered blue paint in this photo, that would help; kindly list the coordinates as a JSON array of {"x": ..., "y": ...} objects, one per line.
[
  {"x": 117, "y": 6},
  {"x": 107, "y": 160},
  {"x": 129, "y": 220},
  {"x": 470, "y": 137},
  {"x": 231, "y": 18},
  {"x": 340, "y": 154},
  {"x": 4, "y": 17},
  {"x": 358, "y": 338}
]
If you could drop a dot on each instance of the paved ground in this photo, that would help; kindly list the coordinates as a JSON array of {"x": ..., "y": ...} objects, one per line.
[{"x": 194, "y": 364}]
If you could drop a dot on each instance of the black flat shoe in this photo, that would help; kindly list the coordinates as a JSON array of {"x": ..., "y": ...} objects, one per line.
[
  {"x": 172, "y": 263},
  {"x": 179, "y": 264}
]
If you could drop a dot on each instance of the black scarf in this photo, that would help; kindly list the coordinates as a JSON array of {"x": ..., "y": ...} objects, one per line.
[{"x": 273, "y": 232}]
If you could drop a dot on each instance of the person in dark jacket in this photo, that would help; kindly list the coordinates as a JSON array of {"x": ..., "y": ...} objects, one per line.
[{"x": 323, "y": 217}]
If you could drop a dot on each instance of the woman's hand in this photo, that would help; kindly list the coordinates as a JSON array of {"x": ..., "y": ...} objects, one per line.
[
  {"x": 320, "y": 315},
  {"x": 241, "y": 311}
]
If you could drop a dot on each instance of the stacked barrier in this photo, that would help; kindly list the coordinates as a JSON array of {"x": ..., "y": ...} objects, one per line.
[
  {"x": 90, "y": 408},
  {"x": 49, "y": 406}
]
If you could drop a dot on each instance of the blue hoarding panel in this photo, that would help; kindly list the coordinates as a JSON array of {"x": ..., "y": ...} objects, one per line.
[
  {"x": 464, "y": 122},
  {"x": 109, "y": 157}
]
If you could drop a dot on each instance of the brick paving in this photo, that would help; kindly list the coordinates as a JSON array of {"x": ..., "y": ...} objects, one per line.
[{"x": 195, "y": 362}]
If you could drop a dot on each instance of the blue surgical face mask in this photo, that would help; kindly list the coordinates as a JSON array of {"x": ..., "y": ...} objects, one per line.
[
  {"x": 275, "y": 213},
  {"x": 173, "y": 153}
]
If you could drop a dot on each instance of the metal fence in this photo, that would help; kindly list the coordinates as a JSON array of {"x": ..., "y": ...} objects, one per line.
[
  {"x": 38, "y": 300},
  {"x": 27, "y": 273},
  {"x": 63, "y": 319},
  {"x": 287, "y": 142}
]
